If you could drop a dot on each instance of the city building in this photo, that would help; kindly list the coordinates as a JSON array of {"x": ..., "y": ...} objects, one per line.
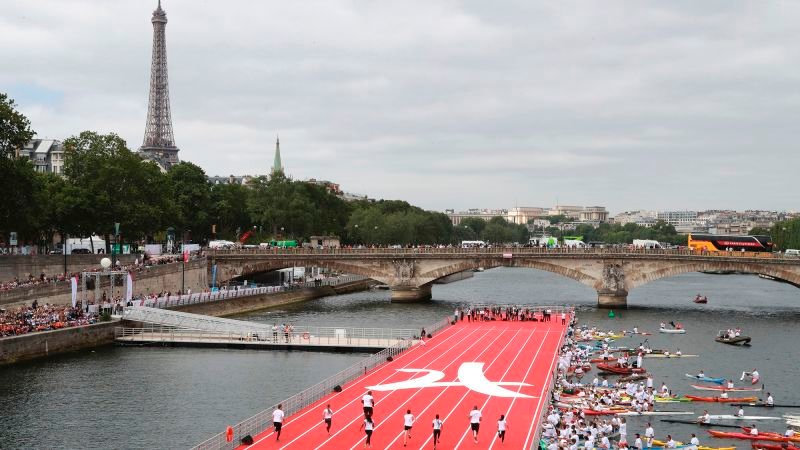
[
  {"x": 521, "y": 215},
  {"x": 641, "y": 218},
  {"x": 572, "y": 212},
  {"x": 678, "y": 218},
  {"x": 47, "y": 155},
  {"x": 159, "y": 141},
  {"x": 230, "y": 179},
  {"x": 593, "y": 214},
  {"x": 484, "y": 214}
]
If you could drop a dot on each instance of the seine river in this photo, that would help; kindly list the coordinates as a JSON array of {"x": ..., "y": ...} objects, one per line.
[{"x": 134, "y": 398}]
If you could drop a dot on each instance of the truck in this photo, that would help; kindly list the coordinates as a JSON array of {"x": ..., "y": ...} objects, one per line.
[
  {"x": 646, "y": 243},
  {"x": 85, "y": 245},
  {"x": 574, "y": 243}
]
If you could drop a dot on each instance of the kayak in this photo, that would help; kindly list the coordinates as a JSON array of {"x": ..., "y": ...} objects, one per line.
[
  {"x": 773, "y": 434},
  {"x": 735, "y": 435},
  {"x": 708, "y": 379},
  {"x": 662, "y": 444},
  {"x": 672, "y": 330},
  {"x": 764, "y": 405},
  {"x": 720, "y": 399},
  {"x": 620, "y": 370},
  {"x": 732, "y": 417},
  {"x": 720, "y": 388},
  {"x": 634, "y": 377},
  {"x": 661, "y": 355},
  {"x": 763, "y": 446},
  {"x": 672, "y": 399},
  {"x": 701, "y": 424},
  {"x": 656, "y": 413}
]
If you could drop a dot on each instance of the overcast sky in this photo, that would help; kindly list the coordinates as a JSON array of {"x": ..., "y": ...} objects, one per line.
[{"x": 655, "y": 105}]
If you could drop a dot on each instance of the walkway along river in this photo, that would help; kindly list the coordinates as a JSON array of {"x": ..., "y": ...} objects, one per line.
[{"x": 130, "y": 398}]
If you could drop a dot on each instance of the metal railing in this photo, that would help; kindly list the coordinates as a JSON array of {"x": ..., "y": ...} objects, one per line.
[
  {"x": 206, "y": 297},
  {"x": 263, "y": 420},
  {"x": 496, "y": 251},
  {"x": 537, "y": 435},
  {"x": 300, "y": 336}
]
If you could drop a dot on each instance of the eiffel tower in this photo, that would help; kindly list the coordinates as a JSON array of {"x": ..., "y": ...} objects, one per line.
[{"x": 159, "y": 143}]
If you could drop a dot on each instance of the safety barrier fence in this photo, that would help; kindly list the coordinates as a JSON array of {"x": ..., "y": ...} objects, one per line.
[
  {"x": 263, "y": 420},
  {"x": 537, "y": 435},
  {"x": 206, "y": 297},
  {"x": 326, "y": 336}
]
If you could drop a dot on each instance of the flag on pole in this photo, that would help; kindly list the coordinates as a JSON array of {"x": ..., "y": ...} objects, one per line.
[
  {"x": 129, "y": 288},
  {"x": 185, "y": 256},
  {"x": 74, "y": 282}
]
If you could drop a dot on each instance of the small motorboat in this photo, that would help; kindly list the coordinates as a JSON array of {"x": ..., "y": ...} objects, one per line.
[
  {"x": 672, "y": 330},
  {"x": 701, "y": 300},
  {"x": 723, "y": 337}
]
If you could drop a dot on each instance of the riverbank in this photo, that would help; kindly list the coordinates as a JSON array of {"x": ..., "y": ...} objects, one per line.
[{"x": 42, "y": 344}]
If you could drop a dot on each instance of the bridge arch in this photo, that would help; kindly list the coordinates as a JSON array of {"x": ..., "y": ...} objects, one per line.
[
  {"x": 673, "y": 269},
  {"x": 463, "y": 265}
]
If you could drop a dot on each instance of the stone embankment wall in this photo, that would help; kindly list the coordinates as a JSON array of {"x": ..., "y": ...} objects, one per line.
[
  {"x": 37, "y": 345},
  {"x": 20, "y": 266},
  {"x": 159, "y": 278}
]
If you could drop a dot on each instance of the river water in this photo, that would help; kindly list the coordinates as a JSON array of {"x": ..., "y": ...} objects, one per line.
[{"x": 132, "y": 397}]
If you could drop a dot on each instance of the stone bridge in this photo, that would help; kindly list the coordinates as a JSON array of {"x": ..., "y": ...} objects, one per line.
[{"x": 410, "y": 272}]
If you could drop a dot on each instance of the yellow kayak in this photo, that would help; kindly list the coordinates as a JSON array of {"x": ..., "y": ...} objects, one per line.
[{"x": 658, "y": 443}]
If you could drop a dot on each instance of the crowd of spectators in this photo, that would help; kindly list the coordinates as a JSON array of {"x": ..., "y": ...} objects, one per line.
[
  {"x": 45, "y": 317},
  {"x": 140, "y": 264}
]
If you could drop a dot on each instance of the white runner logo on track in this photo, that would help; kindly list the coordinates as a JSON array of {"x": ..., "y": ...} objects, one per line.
[{"x": 470, "y": 375}]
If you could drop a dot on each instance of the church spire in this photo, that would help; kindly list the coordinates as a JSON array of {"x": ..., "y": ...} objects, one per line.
[{"x": 276, "y": 164}]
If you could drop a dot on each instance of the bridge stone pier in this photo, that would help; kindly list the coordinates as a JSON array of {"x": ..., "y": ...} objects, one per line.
[{"x": 409, "y": 273}]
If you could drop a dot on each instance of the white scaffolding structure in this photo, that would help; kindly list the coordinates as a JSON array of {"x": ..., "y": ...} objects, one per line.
[{"x": 190, "y": 321}]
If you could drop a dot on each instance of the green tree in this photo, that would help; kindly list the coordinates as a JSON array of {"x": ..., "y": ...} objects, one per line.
[
  {"x": 19, "y": 208},
  {"x": 229, "y": 205},
  {"x": 475, "y": 224},
  {"x": 15, "y": 128},
  {"x": 112, "y": 184},
  {"x": 191, "y": 194}
]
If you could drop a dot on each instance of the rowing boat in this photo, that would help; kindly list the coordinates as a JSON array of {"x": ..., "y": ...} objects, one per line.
[
  {"x": 656, "y": 413},
  {"x": 672, "y": 330},
  {"x": 764, "y": 405},
  {"x": 707, "y": 379},
  {"x": 732, "y": 417},
  {"x": 661, "y": 355},
  {"x": 619, "y": 370},
  {"x": 662, "y": 444},
  {"x": 701, "y": 424},
  {"x": 697, "y": 398},
  {"x": 720, "y": 388}
]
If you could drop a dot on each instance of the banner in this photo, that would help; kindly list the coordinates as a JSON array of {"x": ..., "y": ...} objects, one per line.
[
  {"x": 185, "y": 256},
  {"x": 129, "y": 288},
  {"x": 74, "y": 282},
  {"x": 214, "y": 276}
]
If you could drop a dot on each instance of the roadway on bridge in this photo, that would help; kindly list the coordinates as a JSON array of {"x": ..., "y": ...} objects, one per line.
[{"x": 501, "y": 367}]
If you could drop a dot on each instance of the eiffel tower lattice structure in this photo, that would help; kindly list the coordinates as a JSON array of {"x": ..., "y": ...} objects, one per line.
[{"x": 159, "y": 142}]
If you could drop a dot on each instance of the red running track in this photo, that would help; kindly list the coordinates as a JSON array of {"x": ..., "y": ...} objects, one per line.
[{"x": 511, "y": 353}]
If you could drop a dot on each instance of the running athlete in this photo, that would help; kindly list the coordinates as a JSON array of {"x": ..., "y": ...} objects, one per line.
[
  {"x": 408, "y": 422},
  {"x": 502, "y": 426},
  {"x": 368, "y": 425},
  {"x": 475, "y": 422},
  {"x": 368, "y": 401},
  {"x": 437, "y": 428},
  {"x": 327, "y": 416},
  {"x": 277, "y": 421}
]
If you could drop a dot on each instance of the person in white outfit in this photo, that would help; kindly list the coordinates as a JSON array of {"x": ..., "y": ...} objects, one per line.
[
  {"x": 475, "y": 422},
  {"x": 502, "y": 426},
  {"x": 408, "y": 422}
]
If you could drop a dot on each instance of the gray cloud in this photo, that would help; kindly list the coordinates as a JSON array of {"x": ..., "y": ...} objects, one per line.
[{"x": 445, "y": 104}]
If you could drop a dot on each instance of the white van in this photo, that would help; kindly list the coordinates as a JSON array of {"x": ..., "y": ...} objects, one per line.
[{"x": 791, "y": 252}]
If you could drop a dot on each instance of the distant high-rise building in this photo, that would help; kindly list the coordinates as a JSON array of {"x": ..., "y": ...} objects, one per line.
[
  {"x": 277, "y": 166},
  {"x": 159, "y": 142}
]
